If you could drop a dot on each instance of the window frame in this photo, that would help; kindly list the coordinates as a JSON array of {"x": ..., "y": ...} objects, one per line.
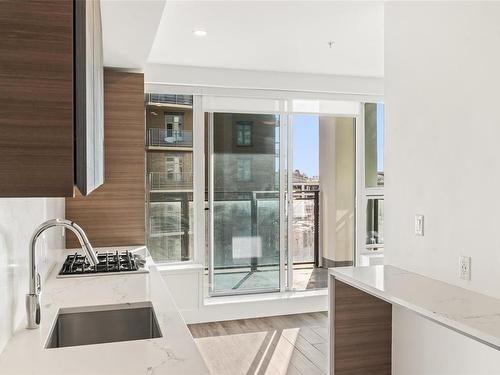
[{"x": 208, "y": 98}]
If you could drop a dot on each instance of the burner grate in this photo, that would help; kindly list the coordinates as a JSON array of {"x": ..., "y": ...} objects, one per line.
[{"x": 108, "y": 262}]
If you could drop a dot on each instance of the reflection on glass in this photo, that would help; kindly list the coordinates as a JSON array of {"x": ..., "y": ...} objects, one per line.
[
  {"x": 246, "y": 202},
  {"x": 169, "y": 176},
  {"x": 170, "y": 229},
  {"x": 375, "y": 223},
  {"x": 374, "y": 145}
]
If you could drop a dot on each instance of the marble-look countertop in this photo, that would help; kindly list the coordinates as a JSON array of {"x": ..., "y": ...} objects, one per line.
[
  {"x": 174, "y": 353},
  {"x": 467, "y": 312}
]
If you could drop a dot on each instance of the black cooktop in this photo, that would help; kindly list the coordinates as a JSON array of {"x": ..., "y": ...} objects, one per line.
[{"x": 122, "y": 261}]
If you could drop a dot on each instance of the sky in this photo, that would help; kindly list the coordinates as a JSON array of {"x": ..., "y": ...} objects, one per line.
[{"x": 306, "y": 142}]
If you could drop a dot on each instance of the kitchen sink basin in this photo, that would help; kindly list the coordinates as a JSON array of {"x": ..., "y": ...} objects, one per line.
[{"x": 104, "y": 324}]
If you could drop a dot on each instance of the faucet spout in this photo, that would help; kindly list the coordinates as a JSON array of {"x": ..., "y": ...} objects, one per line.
[{"x": 35, "y": 287}]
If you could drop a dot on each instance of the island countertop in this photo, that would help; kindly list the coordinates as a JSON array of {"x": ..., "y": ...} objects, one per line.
[
  {"x": 173, "y": 353},
  {"x": 472, "y": 314}
]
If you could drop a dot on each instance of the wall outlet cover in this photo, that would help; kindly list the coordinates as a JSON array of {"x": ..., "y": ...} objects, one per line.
[
  {"x": 464, "y": 267},
  {"x": 419, "y": 225}
]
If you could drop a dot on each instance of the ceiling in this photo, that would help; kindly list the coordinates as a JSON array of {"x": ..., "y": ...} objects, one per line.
[
  {"x": 128, "y": 31},
  {"x": 285, "y": 36}
]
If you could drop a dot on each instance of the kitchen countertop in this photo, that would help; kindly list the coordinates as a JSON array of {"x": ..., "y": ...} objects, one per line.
[
  {"x": 472, "y": 314},
  {"x": 174, "y": 353}
]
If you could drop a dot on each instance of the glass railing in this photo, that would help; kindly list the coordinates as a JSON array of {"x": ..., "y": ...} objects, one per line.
[
  {"x": 234, "y": 214},
  {"x": 305, "y": 223},
  {"x": 162, "y": 225},
  {"x": 168, "y": 138},
  {"x": 242, "y": 215},
  {"x": 170, "y": 181}
]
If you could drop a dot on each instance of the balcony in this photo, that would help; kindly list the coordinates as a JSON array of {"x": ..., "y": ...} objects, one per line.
[
  {"x": 170, "y": 181},
  {"x": 164, "y": 138},
  {"x": 169, "y": 99}
]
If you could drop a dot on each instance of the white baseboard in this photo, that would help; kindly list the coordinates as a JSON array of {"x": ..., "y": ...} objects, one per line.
[
  {"x": 186, "y": 286},
  {"x": 257, "y": 306}
]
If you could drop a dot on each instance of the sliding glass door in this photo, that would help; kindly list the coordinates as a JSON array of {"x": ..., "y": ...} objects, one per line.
[
  {"x": 280, "y": 192},
  {"x": 244, "y": 201}
]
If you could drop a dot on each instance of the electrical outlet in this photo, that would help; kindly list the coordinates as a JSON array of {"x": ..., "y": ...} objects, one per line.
[
  {"x": 464, "y": 264},
  {"x": 419, "y": 225}
]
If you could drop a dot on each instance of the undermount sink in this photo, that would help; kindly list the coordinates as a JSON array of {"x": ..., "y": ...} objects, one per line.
[{"x": 104, "y": 324}]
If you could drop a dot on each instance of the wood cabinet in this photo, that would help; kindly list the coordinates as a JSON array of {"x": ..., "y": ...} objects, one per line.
[
  {"x": 37, "y": 98},
  {"x": 113, "y": 215},
  {"x": 360, "y": 331}
]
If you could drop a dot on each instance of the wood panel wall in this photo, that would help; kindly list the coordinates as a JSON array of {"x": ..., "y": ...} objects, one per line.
[
  {"x": 361, "y": 332},
  {"x": 114, "y": 214},
  {"x": 36, "y": 98}
]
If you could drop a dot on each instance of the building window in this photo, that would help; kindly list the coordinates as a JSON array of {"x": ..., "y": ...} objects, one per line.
[
  {"x": 244, "y": 170},
  {"x": 174, "y": 126},
  {"x": 244, "y": 133}
]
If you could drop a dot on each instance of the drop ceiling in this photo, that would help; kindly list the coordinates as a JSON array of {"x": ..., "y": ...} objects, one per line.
[{"x": 284, "y": 36}]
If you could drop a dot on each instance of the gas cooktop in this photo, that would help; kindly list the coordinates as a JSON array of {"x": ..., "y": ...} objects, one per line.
[{"x": 109, "y": 263}]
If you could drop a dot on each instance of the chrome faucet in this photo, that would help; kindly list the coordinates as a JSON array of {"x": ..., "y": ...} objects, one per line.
[{"x": 33, "y": 297}]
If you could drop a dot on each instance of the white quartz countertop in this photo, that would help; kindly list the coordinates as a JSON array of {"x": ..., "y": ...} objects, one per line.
[
  {"x": 174, "y": 353},
  {"x": 470, "y": 313}
]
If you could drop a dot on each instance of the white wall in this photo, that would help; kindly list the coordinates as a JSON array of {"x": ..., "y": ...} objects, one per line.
[
  {"x": 18, "y": 219},
  {"x": 442, "y": 153}
]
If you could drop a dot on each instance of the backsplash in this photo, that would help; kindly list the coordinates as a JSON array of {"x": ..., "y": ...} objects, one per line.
[{"x": 18, "y": 219}]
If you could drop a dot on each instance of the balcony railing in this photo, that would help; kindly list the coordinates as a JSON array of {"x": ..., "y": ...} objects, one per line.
[
  {"x": 306, "y": 223},
  {"x": 170, "y": 181},
  {"x": 169, "y": 138},
  {"x": 186, "y": 100}
]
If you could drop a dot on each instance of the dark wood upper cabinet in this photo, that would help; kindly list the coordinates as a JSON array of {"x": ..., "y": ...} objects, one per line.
[{"x": 38, "y": 101}]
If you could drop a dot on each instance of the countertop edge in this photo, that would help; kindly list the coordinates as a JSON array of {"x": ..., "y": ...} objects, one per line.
[{"x": 438, "y": 318}]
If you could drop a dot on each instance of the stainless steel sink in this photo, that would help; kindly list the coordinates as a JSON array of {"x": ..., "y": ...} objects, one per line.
[{"x": 104, "y": 324}]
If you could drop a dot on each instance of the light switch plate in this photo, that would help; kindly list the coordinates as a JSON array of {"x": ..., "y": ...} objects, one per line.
[
  {"x": 419, "y": 225},
  {"x": 464, "y": 263}
]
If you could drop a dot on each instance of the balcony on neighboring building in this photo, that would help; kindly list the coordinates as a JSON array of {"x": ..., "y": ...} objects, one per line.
[
  {"x": 165, "y": 138},
  {"x": 169, "y": 100},
  {"x": 170, "y": 181}
]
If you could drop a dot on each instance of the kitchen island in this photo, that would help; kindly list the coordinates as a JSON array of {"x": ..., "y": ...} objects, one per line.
[{"x": 361, "y": 302}]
